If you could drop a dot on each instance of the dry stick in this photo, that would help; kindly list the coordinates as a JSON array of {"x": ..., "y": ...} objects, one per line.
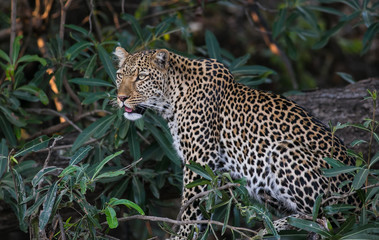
[
  {"x": 199, "y": 195},
  {"x": 60, "y": 126},
  {"x": 47, "y": 110},
  {"x": 61, "y": 227},
  {"x": 64, "y": 8},
  {"x": 240, "y": 230}
]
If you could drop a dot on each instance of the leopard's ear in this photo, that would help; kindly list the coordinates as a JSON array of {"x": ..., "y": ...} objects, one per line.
[
  {"x": 161, "y": 58},
  {"x": 121, "y": 54}
]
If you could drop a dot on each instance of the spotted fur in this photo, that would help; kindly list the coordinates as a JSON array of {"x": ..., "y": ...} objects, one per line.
[{"x": 271, "y": 141}]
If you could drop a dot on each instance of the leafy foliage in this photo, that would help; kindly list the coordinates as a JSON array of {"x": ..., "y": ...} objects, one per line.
[{"x": 93, "y": 161}]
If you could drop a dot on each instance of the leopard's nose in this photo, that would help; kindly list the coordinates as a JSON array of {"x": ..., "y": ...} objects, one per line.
[{"x": 123, "y": 98}]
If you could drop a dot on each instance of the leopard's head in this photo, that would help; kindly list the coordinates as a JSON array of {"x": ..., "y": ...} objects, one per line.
[{"x": 140, "y": 80}]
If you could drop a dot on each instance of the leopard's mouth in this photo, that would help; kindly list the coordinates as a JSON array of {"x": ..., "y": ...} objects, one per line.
[{"x": 133, "y": 113}]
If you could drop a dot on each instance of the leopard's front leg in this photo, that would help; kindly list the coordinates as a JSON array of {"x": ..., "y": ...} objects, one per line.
[{"x": 190, "y": 211}]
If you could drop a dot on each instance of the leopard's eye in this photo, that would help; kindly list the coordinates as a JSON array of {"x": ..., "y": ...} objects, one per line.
[{"x": 142, "y": 76}]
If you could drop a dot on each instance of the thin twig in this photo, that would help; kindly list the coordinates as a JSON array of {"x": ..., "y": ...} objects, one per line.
[
  {"x": 349, "y": 194},
  {"x": 64, "y": 8},
  {"x": 202, "y": 194},
  {"x": 61, "y": 227},
  {"x": 188, "y": 222},
  {"x": 47, "y": 110},
  {"x": 60, "y": 126}
]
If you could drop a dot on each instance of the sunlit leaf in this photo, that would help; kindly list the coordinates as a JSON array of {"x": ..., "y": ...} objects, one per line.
[
  {"x": 128, "y": 203},
  {"x": 339, "y": 170},
  {"x": 36, "y": 91},
  {"x": 105, "y": 161},
  {"x": 111, "y": 217}
]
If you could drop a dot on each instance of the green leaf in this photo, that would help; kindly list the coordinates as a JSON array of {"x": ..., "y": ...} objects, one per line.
[
  {"x": 12, "y": 118},
  {"x": 111, "y": 174},
  {"x": 75, "y": 49},
  {"x": 107, "y": 63},
  {"x": 347, "y": 225},
  {"x": 69, "y": 169},
  {"x": 80, "y": 154},
  {"x": 36, "y": 205},
  {"x": 213, "y": 46},
  {"x": 347, "y": 77},
  {"x": 374, "y": 159},
  {"x": 134, "y": 145},
  {"x": 7, "y": 129},
  {"x": 337, "y": 208},
  {"x": 279, "y": 24},
  {"x": 36, "y": 91},
  {"x": 334, "y": 162},
  {"x": 77, "y": 28},
  {"x": 111, "y": 216},
  {"x": 5, "y": 56},
  {"x": 239, "y": 61},
  {"x": 138, "y": 191},
  {"x": 226, "y": 216},
  {"x": 3, "y": 156},
  {"x": 197, "y": 182},
  {"x": 357, "y": 142},
  {"x": 135, "y": 25},
  {"x": 37, "y": 178},
  {"x": 339, "y": 170},
  {"x": 127, "y": 203},
  {"x": 47, "y": 206},
  {"x": 16, "y": 49},
  {"x": 91, "y": 66},
  {"x": 105, "y": 161},
  {"x": 356, "y": 233},
  {"x": 360, "y": 178},
  {"x": 198, "y": 169},
  {"x": 165, "y": 144},
  {"x": 316, "y": 207},
  {"x": 87, "y": 133},
  {"x": 34, "y": 145},
  {"x": 369, "y": 36},
  {"x": 308, "y": 226},
  {"x": 123, "y": 130},
  {"x": 91, "y": 82},
  {"x": 325, "y": 10},
  {"x": 252, "y": 70},
  {"x": 32, "y": 58}
]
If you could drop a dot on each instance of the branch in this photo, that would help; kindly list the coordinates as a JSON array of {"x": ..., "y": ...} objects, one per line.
[
  {"x": 60, "y": 126},
  {"x": 64, "y": 8},
  {"x": 349, "y": 194},
  {"x": 240, "y": 230},
  {"x": 202, "y": 194}
]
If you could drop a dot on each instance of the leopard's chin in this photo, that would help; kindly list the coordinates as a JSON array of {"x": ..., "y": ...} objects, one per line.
[{"x": 133, "y": 114}]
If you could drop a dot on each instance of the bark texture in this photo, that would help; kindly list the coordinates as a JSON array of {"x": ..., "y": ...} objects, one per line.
[{"x": 344, "y": 105}]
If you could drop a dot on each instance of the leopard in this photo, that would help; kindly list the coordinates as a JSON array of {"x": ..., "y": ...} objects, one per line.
[{"x": 272, "y": 142}]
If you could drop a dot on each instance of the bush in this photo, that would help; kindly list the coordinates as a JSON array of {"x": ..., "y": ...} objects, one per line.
[{"x": 69, "y": 160}]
